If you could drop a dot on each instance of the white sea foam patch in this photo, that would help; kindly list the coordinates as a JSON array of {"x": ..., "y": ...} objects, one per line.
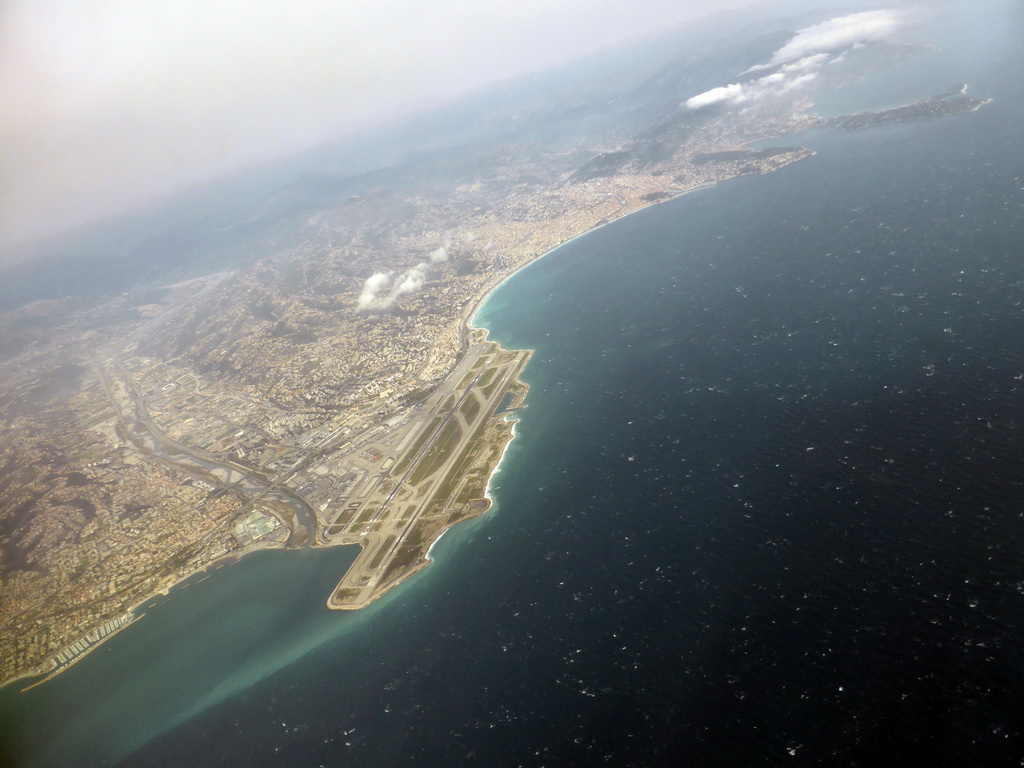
[
  {"x": 433, "y": 544},
  {"x": 501, "y": 460}
]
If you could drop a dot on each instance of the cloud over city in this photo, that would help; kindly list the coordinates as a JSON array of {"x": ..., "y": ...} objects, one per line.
[
  {"x": 798, "y": 62},
  {"x": 775, "y": 84},
  {"x": 734, "y": 93},
  {"x": 440, "y": 255},
  {"x": 382, "y": 289},
  {"x": 374, "y": 284},
  {"x": 409, "y": 281},
  {"x": 837, "y": 34}
]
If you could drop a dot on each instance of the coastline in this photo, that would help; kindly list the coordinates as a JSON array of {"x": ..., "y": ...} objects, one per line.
[
  {"x": 427, "y": 559},
  {"x": 491, "y": 501},
  {"x": 164, "y": 591},
  {"x": 662, "y": 572},
  {"x": 476, "y": 304},
  {"x": 52, "y": 674},
  {"x": 501, "y": 458},
  {"x": 454, "y": 492},
  {"x": 468, "y": 323}
]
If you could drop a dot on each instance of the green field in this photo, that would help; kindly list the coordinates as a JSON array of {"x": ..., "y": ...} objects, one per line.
[
  {"x": 470, "y": 408},
  {"x": 489, "y": 382},
  {"x": 469, "y": 455},
  {"x": 401, "y": 466},
  {"x": 438, "y": 453},
  {"x": 343, "y": 519},
  {"x": 366, "y": 514},
  {"x": 382, "y": 552}
]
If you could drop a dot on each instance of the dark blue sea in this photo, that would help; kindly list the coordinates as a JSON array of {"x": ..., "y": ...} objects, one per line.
[{"x": 765, "y": 507}]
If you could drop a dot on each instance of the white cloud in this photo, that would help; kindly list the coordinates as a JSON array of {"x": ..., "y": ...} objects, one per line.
[
  {"x": 799, "y": 60},
  {"x": 837, "y": 34},
  {"x": 797, "y": 82},
  {"x": 807, "y": 62},
  {"x": 733, "y": 93},
  {"x": 440, "y": 255},
  {"x": 374, "y": 284},
  {"x": 376, "y": 293},
  {"x": 774, "y": 84},
  {"x": 409, "y": 281}
]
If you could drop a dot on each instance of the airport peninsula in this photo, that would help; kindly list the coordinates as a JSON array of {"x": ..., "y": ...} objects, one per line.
[
  {"x": 323, "y": 385},
  {"x": 287, "y": 404}
]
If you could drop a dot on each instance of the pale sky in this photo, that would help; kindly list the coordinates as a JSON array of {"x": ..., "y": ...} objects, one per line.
[{"x": 107, "y": 104}]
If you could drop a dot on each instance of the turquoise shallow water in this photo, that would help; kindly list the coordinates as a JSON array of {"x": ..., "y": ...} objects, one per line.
[
  {"x": 204, "y": 642},
  {"x": 764, "y": 504}
]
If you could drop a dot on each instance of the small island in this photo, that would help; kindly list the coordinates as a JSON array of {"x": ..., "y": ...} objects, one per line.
[{"x": 953, "y": 102}]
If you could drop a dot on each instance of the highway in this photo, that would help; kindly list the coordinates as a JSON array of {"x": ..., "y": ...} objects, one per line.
[{"x": 147, "y": 435}]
